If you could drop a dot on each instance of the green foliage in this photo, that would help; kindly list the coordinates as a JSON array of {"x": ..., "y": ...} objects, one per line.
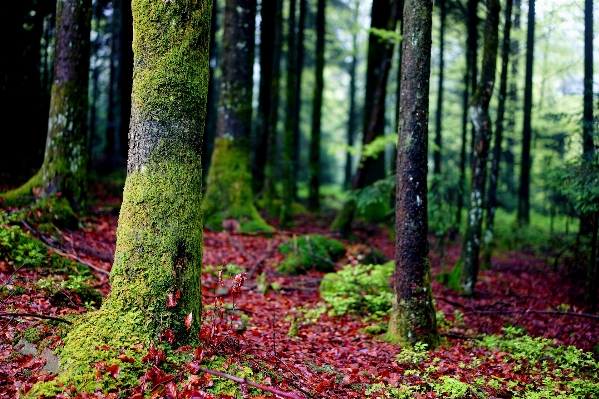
[
  {"x": 310, "y": 251},
  {"x": 55, "y": 210},
  {"x": 413, "y": 355},
  {"x": 359, "y": 289},
  {"x": 386, "y": 35},
  {"x": 33, "y": 335},
  {"x": 19, "y": 247},
  {"x": 229, "y": 270},
  {"x": 62, "y": 289},
  {"x": 579, "y": 182},
  {"x": 375, "y": 194}
]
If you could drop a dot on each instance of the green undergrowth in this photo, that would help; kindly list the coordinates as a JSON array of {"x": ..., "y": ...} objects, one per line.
[
  {"x": 63, "y": 291},
  {"x": 540, "y": 370},
  {"x": 359, "y": 289},
  {"x": 313, "y": 251}
]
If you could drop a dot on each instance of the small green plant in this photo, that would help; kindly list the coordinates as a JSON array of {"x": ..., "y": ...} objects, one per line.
[
  {"x": 414, "y": 355},
  {"x": 313, "y": 251},
  {"x": 62, "y": 290},
  {"x": 360, "y": 289},
  {"x": 33, "y": 335}
]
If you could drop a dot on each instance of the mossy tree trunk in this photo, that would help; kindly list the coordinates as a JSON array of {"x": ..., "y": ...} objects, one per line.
[
  {"x": 467, "y": 267},
  {"x": 314, "y": 183},
  {"x": 229, "y": 194},
  {"x": 526, "y": 163},
  {"x": 413, "y": 315},
  {"x": 494, "y": 175},
  {"x": 156, "y": 274}
]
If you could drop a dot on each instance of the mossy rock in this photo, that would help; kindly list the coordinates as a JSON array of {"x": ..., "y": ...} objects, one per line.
[
  {"x": 369, "y": 255},
  {"x": 311, "y": 251},
  {"x": 54, "y": 210},
  {"x": 358, "y": 289}
]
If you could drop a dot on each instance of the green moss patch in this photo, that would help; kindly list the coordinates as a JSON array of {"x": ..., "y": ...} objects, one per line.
[
  {"x": 24, "y": 194},
  {"x": 229, "y": 193},
  {"x": 359, "y": 289},
  {"x": 53, "y": 210},
  {"x": 308, "y": 252}
]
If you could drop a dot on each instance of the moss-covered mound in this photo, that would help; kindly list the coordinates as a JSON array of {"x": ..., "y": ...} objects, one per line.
[
  {"x": 358, "y": 289},
  {"x": 308, "y": 252},
  {"x": 53, "y": 210},
  {"x": 229, "y": 194},
  {"x": 24, "y": 194}
]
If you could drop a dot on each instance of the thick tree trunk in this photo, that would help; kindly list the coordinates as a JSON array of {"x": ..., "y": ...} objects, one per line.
[
  {"x": 290, "y": 116},
  {"x": 314, "y": 183},
  {"x": 439, "y": 111},
  {"x": 229, "y": 193},
  {"x": 413, "y": 315},
  {"x": 526, "y": 163},
  {"x": 468, "y": 265},
  {"x": 65, "y": 162},
  {"x": 155, "y": 278},
  {"x": 494, "y": 175}
]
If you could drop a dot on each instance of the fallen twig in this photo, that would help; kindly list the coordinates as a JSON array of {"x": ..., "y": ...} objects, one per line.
[
  {"x": 244, "y": 381},
  {"x": 37, "y": 316},
  {"x": 59, "y": 251},
  {"x": 525, "y": 311}
]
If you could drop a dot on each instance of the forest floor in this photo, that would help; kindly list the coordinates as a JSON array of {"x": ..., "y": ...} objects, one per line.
[{"x": 491, "y": 344}]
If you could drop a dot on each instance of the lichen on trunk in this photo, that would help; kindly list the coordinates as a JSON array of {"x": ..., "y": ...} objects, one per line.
[{"x": 157, "y": 267}]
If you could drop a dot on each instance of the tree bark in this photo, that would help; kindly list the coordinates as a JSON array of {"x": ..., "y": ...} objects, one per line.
[
  {"x": 156, "y": 274},
  {"x": 288, "y": 136},
  {"x": 413, "y": 315},
  {"x": 124, "y": 22},
  {"x": 298, "y": 96},
  {"x": 467, "y": 267},
  {"x": 439, "y": 111},
  {"x": 512, "y": 96},
  {"x": 351, "y": 120},
  {"x": 588, "y": 149},
  {"x": 213, "y": 95},
  {"x": 494, "y": 175},
  {"x": 314, "y": 183},
  {"x": 526, "y": 163},
  {"x": 229, "y": 193}
]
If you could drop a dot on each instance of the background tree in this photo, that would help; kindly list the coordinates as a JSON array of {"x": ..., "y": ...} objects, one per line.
[
  {"x": 229, "y": 192},
  {"x": 156, "y": 273},
  {"x": 413, "y": 316},
  {"x": 314, "y": 183},
  {"x": 588, "y": 149},
  {"x": 467, "y": 267},
  {"x": 526, "y": 163},
  {"x": 439, "y": 111}
]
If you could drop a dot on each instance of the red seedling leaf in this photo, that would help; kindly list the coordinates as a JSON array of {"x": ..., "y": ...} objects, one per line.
[
  {"x": 169, "y": 335},
  {"x": 178, "y": 294},
  {"x": 113, "y": 370},
  {"x": 199, "y": 394},
  {"x": 188, "y": 320},
  {"x": 171, "y": 301},
  {"x": 171, "y": 390}
]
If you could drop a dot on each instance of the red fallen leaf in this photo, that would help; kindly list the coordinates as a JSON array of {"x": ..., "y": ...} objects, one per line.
[
  {"x": 207, "y": 380},
  {"x": 169, "y": 335},
  {"x": 199, "y": 394},
  {"x": 126, "y": 359},
  {"x": 155, "y": 376},
  {"x": 154, "y": 354},
  {"x": 114, "y": 370},
  {"x": 178, "y": 294},
  {"x": 171, "y": 301},
  {"x": 198, "y": 354},
  {"x": 171, "y": 390},
  {"x": 188, "y": 320}
]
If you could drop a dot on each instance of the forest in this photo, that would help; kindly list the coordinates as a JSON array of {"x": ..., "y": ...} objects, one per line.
[{"x": 299, "y": 199}]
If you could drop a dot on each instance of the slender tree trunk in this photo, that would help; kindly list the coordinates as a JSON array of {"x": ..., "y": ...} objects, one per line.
[
  {"x": 155, "y": 279},
  {"x": 229, "y": 192},
  {"x": 494, "y": 175},
  {"x": 526, "y": 164},
  {"x": 462, "y": 180},
  {"x": 508, "y": 155},
  {"x": 592, "y": 278},
  {"x": 439, "y": 114},
  {"x": 298, "y": 96},
  {"x": 413, "y": 315},
  {"x": 65, "y": 163},
  {"x": 213, "y": 95},
  {"x": 314, "y": 184},
  {"x": 479, "y": 113},
  {"x": 290, "y": 99},
  {"x": 126, "y": 74},
  {"x": 110, "y": 149},
  {"x": 351, "y": 121},
  {"x": 587, "y": 135}
]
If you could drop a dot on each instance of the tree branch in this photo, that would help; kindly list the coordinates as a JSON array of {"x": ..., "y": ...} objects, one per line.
[{"x": 37, "y": 316}]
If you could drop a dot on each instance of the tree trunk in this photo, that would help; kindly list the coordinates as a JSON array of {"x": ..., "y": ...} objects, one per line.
[
  {"x": 156, "y": 274},
  {"x": 468, "y": 265},
  {"x": 65, "y": 163},
  {"x": 213, "y": 95},
  {"x": 123, "y": 36},
  {"x": 351, "y": 120},
  {"x": 592, "y": 278},
  {"x": 297, "y": 136},
  {"x": 524, "y": 190},
  {"x": 413, "y": 315},
  {"x": 314, "y": 183},
  {"x": 494, "y": 175},
  {"x": 439, "y": 111},
  {"x": 512, "y": 96},
  {"x": 587, "y": 135},
  {"x": 290, "y": 116},
  {"x": 229, "y": 194}
]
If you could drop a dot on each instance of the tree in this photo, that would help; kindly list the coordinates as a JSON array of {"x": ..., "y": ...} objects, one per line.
[
  {"x": 587, "y": 136},
  {"x": 413, "y": 315},
  {"x": 494, "y": 175},
  {"x": 439, "y": 111},
  {"x": 229, "y": 192},
  {"x": 524, "y": 189},
  {"x": 466, "y": 270},
  {"x": 64, "y": 171},
  {"x": 155, "y": 278},
  {"x": 314, "y": 183},
  {"x": 351, "y": 120},
  {"x": 213, "y": 95}
]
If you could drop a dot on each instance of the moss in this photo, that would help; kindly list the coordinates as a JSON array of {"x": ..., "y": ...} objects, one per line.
[
  {"x": 54, "y": 210},
  {"x": 23, "y": 194},
  {"x": 343, "y": 221},
  {"x": 33, "y": 335},
  {"x": 375, "y": 212},
  {"x": 311, "y": 251},
  {"x": 229, "y": 194}
]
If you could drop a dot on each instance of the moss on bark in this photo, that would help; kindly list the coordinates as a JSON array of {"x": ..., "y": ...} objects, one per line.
[
  {"x": 229, "y": 194},
  {"x": 20, "y": 195}
]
